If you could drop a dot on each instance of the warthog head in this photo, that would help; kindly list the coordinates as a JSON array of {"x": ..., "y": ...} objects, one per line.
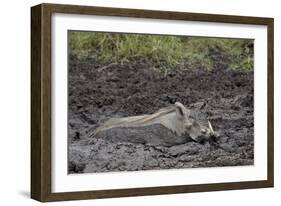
[
  {"x": 175, "y": 117},
  {"x": 184, "y": 125}
]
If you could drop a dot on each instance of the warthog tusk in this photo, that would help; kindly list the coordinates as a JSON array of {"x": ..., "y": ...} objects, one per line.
[{"x": 211, "y": 128}]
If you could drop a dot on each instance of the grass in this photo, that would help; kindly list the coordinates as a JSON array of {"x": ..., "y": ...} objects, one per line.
[{"x": 164, "y": 52}]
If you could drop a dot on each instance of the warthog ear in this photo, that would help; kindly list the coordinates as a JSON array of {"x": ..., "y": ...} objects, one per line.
[{"x": 181, "y": 109}]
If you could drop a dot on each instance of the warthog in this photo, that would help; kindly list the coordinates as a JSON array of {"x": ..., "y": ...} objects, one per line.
[{"x": 168, "y": 126}]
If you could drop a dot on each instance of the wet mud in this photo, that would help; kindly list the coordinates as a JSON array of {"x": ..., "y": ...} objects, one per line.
[{"x": 98, "y": 92}]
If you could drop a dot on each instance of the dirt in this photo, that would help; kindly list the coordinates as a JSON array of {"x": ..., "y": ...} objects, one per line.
[{"x": 99, "y": 92}]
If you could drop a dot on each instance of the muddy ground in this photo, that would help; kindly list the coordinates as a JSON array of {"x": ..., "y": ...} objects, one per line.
[{"x": 98, "y": 92}]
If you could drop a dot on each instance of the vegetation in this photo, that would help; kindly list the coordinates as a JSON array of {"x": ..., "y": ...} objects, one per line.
[{"x": 164, "y": 52}]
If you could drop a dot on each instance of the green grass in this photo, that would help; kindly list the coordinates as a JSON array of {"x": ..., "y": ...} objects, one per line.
[{"x": 164, "y": 52}]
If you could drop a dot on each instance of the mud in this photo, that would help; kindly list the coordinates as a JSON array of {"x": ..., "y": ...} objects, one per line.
[{"x": 99, "y": 92}]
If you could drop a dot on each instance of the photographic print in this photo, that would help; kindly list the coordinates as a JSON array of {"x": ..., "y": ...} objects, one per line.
[
  {"x": 130, "y": 102},
  {"x": 152, "y": 102}
]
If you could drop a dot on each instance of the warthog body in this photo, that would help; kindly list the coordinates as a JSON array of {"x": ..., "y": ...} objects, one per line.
[{"x": 168, "y": 126}]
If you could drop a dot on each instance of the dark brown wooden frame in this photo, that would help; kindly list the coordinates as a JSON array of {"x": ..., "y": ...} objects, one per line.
[{"x": 41, "y": 102}]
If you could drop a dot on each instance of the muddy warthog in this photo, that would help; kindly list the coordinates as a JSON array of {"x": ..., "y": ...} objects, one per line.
[{"x": 168, "y": 126}]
